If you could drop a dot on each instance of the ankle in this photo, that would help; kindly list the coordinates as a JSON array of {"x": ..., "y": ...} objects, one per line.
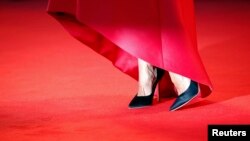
[
  {"x": 146, "y": 81},
  {"x": 181, "y": 87},
  {"x": 145, "y": 89}
]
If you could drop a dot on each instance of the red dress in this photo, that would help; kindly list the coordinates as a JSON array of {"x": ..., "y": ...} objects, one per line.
[{"x": 161, "y": 32}]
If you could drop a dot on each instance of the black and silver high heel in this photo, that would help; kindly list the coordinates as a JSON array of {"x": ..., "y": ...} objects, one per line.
[
  {"x": 143, "y": 101},
  {"x": 186, "y": 97}
]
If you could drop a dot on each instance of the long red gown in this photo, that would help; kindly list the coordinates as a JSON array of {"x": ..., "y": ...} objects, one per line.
[{"x": 161, "y": 32}]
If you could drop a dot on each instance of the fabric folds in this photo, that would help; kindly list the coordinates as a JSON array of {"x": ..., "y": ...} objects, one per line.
[{"x": 161, "y": 32}]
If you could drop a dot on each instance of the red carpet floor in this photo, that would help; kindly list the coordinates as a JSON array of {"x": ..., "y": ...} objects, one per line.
[{"x": 53, "y": 88}]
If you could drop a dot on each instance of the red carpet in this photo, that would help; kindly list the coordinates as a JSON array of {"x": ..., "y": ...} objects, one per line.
[{"x": 54, "y": 88}]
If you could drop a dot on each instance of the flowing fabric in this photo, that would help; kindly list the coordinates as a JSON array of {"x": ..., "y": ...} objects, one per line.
[{"x": 161, "y": 32}]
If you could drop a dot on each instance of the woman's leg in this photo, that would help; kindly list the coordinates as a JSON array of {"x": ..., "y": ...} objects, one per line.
[
  {"x": 147, "y": 78},
  {"x": 146, "y": 85},
  {"x": 180, "y": 82}
]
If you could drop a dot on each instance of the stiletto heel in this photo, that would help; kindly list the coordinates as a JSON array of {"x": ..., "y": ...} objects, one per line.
[
  {"x": 186, "y": 97},
  {"x": 143, "y": 101}
]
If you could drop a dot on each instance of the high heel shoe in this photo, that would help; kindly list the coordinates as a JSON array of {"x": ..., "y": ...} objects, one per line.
[
  {"x": 186, "y": 97},
  {"x": 143, "y": 101}
]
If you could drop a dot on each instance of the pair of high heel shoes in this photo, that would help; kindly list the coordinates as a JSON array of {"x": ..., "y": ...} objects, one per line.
[{"x": 181, "y": 100}]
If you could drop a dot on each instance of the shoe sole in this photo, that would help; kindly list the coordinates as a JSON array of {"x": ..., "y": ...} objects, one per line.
[{"x": 141, "y": 107}]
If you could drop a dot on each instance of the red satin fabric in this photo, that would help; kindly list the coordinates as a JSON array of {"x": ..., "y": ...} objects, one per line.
[{"x": 161, "y": 32}]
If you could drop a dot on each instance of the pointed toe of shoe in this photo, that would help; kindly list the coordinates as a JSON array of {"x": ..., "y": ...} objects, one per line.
[{"x": 185, "y": 97}]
